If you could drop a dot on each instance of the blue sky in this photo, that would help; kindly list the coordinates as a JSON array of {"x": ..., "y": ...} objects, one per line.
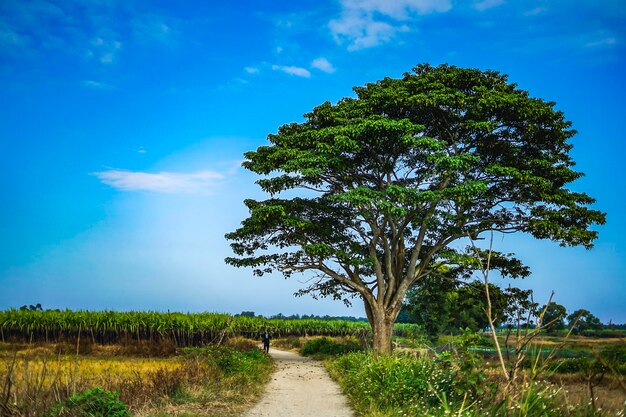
[{"x": 123, "y": 125}]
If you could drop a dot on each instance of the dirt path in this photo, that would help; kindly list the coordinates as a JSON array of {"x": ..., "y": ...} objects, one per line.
[{"x": 300, "y": 388}]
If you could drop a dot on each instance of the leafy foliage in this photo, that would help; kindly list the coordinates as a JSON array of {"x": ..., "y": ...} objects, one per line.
[
  {"x": 442, "y": 305},
  {"x": 394, "y": 381},
  {"x": 96, "y": 402},
  {"x": 391, "y": 179},
  {"x": 32, "y": 307},
  {"x": 327, "y": 347},
  {"x": 521, "y": 310},
  {"x": 452, "y": 384},
  {"x": 583, "y": 320},
  {"x": 237, "y": 362},
  {"x": 554, "y": 316}
]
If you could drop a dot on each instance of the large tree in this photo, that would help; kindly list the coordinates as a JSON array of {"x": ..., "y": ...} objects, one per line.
[
  {"x": 582, "y": 320},
  {"x": 376, "y": 192},
  {"x": 554, "y": 316},
  {"x": 442, "y": 305},
  {"x": 445, "y": 300}
]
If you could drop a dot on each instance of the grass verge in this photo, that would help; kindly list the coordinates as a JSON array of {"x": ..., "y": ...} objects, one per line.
[
  {"x": 213, "y": 381},
  {"x": 404, "y": 385}
]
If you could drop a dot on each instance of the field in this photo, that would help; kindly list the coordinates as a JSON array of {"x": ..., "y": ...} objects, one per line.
[
  {"x": 163, "y": 364},
  {"x": 152, "y": 379},
  {"x": 199, "y": 364},
  {"x": 183, "y": 330}
]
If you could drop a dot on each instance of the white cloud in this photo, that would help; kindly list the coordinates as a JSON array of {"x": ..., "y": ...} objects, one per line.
[
  {"x": 291, "y": 70},
  {"x": 10, "y": 38},
  {"x": 368, "y": 23},
  {"x": 483, "y": 5},
  {"x": 98, "y": 30},
  {"x": 106, "y": 58},
  {"x": 251, "y": 70},
  {"x": 162, "y": 182},
  {"x": 398, "y": 9},
  {"x": 152, "y": 28},
  {"x": 97, "y": 85},
  {"x": 536, "y": 11},
  {"x": 104, "y": 50},
  {"x": 322, "y": 64},
  {"x": 363, "y": 32},
  {"x": 601, "y": 42}
]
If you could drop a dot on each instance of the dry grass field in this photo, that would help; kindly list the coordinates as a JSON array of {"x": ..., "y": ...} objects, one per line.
[{"x": 192, "y": 382}]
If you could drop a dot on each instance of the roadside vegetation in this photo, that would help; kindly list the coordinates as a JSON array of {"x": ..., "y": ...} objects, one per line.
[
  {"x": 59, "y": 379},
  {"x": 157, "y": 364},
  {"x": 458, "y": 373},
  {"x": 438, "y": 380}
]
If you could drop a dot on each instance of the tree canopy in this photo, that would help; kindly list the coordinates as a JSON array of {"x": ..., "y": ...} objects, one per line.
[
  {"x": 554, "y": 316},
  {"x": 582, "y": 320},
  {"x": 378, "y": 191},
  {"x": 449, "y": 306},
  {"x": 444, "y": 306}
]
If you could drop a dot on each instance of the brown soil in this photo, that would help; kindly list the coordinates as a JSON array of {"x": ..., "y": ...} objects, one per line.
[{"x": 300, "y": 387}]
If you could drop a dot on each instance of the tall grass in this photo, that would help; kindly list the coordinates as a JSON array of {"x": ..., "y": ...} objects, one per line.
[
  {"x": 405, "y": 385},
  {"x": 36, "y": 379},
  {"x": 394, "y": 381}
]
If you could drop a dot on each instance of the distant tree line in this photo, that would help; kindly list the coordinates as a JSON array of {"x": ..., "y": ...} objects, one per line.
[
  {"x": 35, "y": 307},
  {"x": 326, "y": 317},
  {"x": 443, "y": 306}
]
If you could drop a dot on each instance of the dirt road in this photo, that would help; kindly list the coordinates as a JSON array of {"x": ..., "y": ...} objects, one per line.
[{"x": 300, "y": 388}]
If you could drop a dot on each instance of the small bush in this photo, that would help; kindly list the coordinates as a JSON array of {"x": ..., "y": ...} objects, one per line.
[
  {"x": 392, "y": 381},
  {"x": 614, "y": 354},
  {"x": 327, "y": 346},
  {"x": 290, "y": 342},
  {"x": 534, "y": 399},
  {"x": 605, "y": 333},
  {"x": 241, "y": 343},
  {"x": 569, "y": 366},
  {"x": 96, "y": 402},
  {"x": 232, "y": 361},
  {"x": 607, "y": 359},
  {"x": 247, "y": 365}
]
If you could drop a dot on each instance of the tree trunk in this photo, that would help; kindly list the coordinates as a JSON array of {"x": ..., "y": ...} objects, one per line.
[
  {"x": 383, "y": 329},
  {"x": 382, "y": 326}
]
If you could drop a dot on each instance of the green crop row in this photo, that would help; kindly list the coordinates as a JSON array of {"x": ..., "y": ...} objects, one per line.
[{"x": 184, "y": 329}]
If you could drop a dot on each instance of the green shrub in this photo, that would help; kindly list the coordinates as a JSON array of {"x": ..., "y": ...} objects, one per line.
[
  {"x": 534, "y": 399},
  {"x": 604, "y": 333},
  {"x": 228, "y": 360},
  {"x": 328, "y": 347},
  {"x": 614, "y": 354},
  {"x": 96, "y": 402},
  {"x": 392, "y": 381},
  {"x": 402, "y": 385},
  {"x": 569, "y": 366},
  {"x": 233, "y": 361}
]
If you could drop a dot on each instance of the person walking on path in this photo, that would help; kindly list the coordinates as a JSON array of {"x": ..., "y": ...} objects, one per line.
[{"x": 266, "y": 341}]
